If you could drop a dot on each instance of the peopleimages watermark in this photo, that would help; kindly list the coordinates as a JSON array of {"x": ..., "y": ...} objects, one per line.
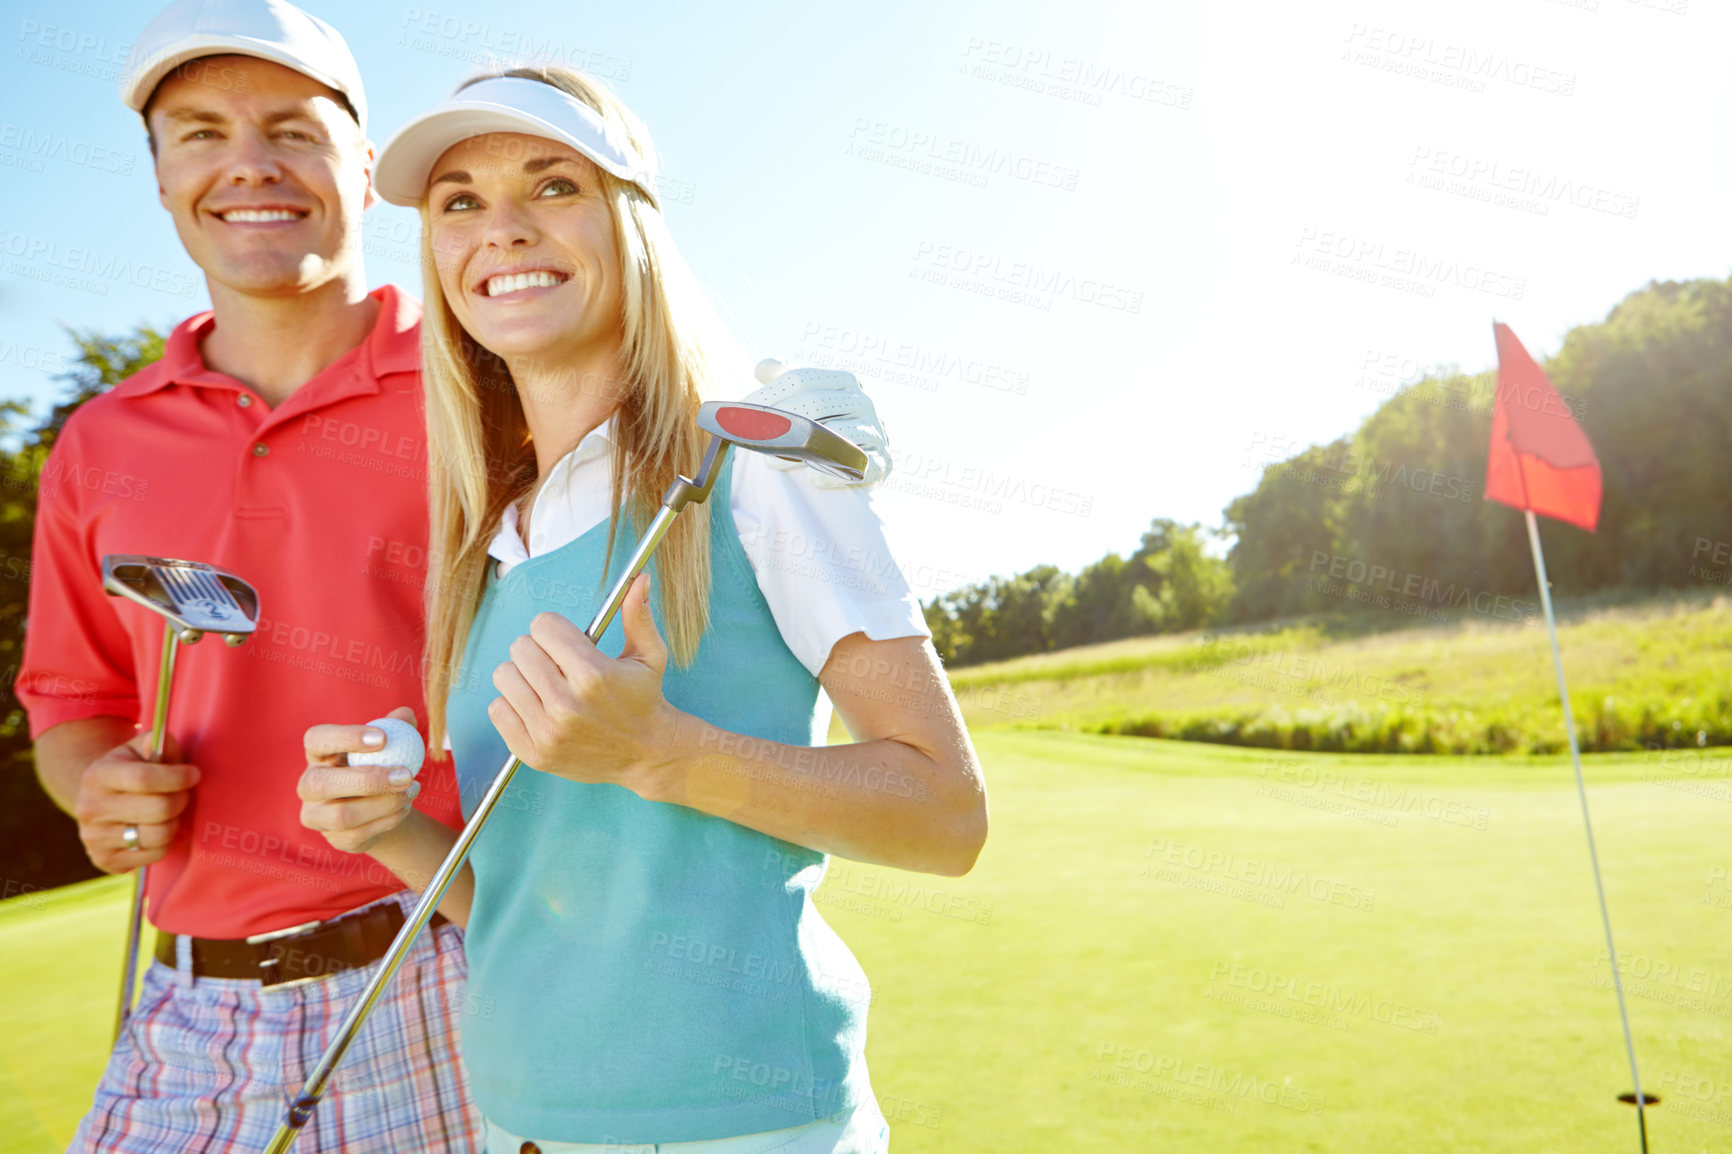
[
  {"x": 998, "y": 698},
  {"x": 270, "y": 855},
  {"x": 813, "y": 769},
  {"x": 1339, "y": 467},
  {"x": 963, "y": 483},
  {"x": 1704, "y": 776},
  {"x": 22, "y": 146},
  {"x": 1668, "y": 981},
  {"x": 899, "y": 892},
  {"x": 1451, "y": 65},
  {"x": 1511, "y": 186},
  {"x": 1442, "y": 386},
  {"x": 1065, "y": 77},
  {"x": 71, "y": 50},
  {"x": 1406, "y": 269},
  {"x": 1016, "y": 282},
  {"x": 1203, "y": 1084},
  {"x": 884, "y": 358},
  {"x": 1719, "y": 889},
  {"x": 38, "y": 358},
  {"x": 1249, "y": 879},
  {"x": 59, "y": 686},
  {"x": 89, "y": 270},
  {"x": 62, "y": 471},
  {"x": 1718, "y": 567},
  {"x": 1317, "y": 1003},
  {"x": 933, "y": 153},
  {"x": 844, "y": 563},
  {"x": 777, "y": 1086},
  {"x": 1386, "y": 587},
  {"x": 1705, "y": 1097},
  {"x": 1305, "y": 675},
  {"x": 908, "y": 1112},
  {"x": 22, "y": 895},
  {"x": 480, "y": 42},
  {"x": 343, "y": 658},
  {"x": 1304, "y": 782}
]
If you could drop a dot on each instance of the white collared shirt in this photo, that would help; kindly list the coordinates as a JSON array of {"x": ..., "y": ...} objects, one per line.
[{"x": 819, "y": 555}]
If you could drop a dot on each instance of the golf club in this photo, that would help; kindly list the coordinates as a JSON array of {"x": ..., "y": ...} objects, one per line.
[
  {"x": 192, "y": 599},
  {"x": 756, "y": 427}
]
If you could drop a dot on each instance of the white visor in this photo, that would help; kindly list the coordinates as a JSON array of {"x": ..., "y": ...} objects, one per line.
[{"x": 504, "y": 104}]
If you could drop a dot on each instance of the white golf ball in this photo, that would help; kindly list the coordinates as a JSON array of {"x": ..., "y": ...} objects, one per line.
[{"x": 402, "y": 746}]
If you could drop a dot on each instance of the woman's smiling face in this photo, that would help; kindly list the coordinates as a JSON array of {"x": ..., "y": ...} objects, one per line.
[{"x": 523, "y": 241}]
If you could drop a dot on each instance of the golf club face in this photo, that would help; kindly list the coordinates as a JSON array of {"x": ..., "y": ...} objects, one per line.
[
  {"x": 193, "y": 597},
  {"x": 763, "y": 429}
]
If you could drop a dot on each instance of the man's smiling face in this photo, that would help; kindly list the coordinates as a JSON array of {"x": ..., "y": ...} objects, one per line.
[{"x": 265, "y": 173}]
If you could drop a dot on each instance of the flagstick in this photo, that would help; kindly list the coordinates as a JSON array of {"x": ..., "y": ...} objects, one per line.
[{"x": 1582, "y": 792}]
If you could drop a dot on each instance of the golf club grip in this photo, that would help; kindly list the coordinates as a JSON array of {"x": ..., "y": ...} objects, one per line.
[{"x": 305, "y": 1103}]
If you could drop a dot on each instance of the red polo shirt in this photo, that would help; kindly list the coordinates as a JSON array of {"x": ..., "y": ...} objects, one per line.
[{"x": 321, "y": 505}]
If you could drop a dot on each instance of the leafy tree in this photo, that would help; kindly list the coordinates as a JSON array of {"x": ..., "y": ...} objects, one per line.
[
  {"x": 1101, "y": 603},
  {"x": 1281, "y": 527},
  {"x": 39, "y": 845},
  {"x": 1195, "y": 587},
  {"x": 1168, "y": 583}
]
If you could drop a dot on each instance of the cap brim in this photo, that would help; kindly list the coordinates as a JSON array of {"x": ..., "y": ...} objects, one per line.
[
  {"x": 137, "y": 89},
  {"x": 406, "y": 163}
]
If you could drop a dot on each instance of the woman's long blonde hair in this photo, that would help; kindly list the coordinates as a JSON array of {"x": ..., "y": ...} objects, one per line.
[{"x": 480, "y": 460}]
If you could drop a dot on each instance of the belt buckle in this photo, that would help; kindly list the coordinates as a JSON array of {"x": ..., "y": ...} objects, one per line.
[{"x": 267, "y": 975}]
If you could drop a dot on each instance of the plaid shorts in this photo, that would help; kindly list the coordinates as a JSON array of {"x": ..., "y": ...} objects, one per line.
[{"x": 210, "y": 1064}]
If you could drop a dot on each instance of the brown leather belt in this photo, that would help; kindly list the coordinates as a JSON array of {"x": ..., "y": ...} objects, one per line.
[{"x": 298, "y": 954}]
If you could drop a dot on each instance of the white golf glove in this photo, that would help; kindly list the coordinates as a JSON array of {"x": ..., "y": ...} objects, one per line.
[{"x": 835, "y": 400}]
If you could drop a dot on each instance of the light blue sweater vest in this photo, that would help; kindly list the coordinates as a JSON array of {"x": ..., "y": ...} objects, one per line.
[{"x": 638, "y": 971}]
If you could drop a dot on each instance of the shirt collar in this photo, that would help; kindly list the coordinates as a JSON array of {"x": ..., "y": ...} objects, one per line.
[
  {"x": 392, "y": 347},
  {"x": 507, "y": 543}
]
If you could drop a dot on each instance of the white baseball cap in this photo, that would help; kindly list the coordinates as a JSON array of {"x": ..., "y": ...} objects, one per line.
[
  {"x": 271, "y": 30},
  {"x": 504, "y": 104}
]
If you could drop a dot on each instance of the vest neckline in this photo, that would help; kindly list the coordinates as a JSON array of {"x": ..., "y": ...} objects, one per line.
[
  {"x": 494, "y": 578},
  {"x": 723, "y": 489}
]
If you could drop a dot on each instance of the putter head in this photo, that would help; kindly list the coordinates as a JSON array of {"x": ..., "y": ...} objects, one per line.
[
  {"x": 763, "y": 429},
  {"x": 194, "y": 598}
]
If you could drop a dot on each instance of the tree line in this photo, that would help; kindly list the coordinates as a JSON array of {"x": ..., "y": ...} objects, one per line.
[{"x": 1392, "y": 518}]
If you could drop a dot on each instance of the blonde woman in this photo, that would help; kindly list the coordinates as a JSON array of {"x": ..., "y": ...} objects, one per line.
[{"x": 646, "y": 965}]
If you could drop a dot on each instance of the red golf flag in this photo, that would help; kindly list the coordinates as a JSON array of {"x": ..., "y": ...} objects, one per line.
[{"x": 1540, "y": 458}]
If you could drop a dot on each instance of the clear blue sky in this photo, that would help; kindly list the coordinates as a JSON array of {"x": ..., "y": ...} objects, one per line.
[{"x": 1091, "y": 258}]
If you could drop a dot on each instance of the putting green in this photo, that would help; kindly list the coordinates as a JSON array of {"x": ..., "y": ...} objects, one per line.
[{"x": 1186, "y": 947}]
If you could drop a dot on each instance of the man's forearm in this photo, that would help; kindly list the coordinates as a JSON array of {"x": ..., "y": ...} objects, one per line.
[{"x": 64, "y": 752}]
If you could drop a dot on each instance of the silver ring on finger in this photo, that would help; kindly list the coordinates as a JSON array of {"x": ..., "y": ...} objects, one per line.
[{"x": 129, "y": 838}]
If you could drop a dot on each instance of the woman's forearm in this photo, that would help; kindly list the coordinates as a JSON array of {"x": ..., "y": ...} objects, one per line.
[
  {"x": 882, "y": 802},
  {"x": 413, "y": 852}
]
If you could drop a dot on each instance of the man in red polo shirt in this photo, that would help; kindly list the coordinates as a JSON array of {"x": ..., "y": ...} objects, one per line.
[{"x": 281, "y": 437}]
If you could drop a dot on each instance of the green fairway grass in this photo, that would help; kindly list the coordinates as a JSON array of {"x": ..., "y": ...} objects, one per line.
[
  {"x": 1644, "y": 671},
  {"x": 1176, "y": 946}
]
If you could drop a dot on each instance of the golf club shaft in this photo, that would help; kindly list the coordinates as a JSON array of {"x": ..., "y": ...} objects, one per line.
[
  {"x": 301, "y": 1110},
  {"x": 158, "y": 738}
]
